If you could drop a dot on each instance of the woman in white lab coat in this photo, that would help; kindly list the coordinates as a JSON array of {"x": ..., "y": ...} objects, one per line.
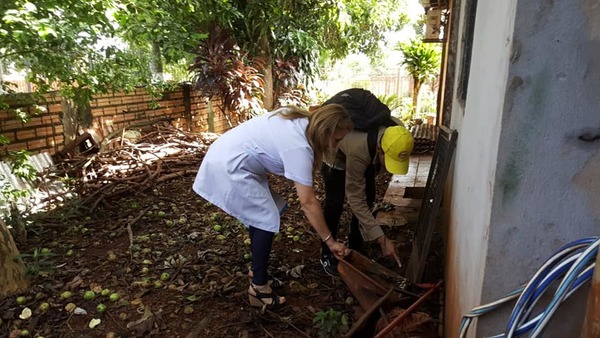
[{"x": 289, "y": 142}]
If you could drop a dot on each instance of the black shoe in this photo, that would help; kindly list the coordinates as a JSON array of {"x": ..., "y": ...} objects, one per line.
[{"x": 329, "y": 264}]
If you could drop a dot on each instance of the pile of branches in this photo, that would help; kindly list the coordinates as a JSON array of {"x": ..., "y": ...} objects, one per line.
[{"x": 133, "y": 161}]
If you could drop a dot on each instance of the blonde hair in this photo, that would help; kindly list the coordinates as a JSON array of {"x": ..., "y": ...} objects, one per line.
[{"x": 323, "y": 122}]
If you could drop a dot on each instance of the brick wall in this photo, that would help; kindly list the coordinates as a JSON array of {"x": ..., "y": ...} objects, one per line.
[{"x": 44, "y": 132}]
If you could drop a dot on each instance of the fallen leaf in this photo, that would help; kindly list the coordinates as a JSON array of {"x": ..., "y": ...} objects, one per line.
[
  {"x": 26, "y": 313},
  {"x": 94, "y": 322},
  {"x": 75, "y": 283},
  {"x": 136, "y": 301},
  {"x": 79, "y": 311},
  {"x": 296, "y": 271},
  {"x": 97, "y": 288},
  {"x": 70, "y": 307},
  {"x": 147, "y": 322}
]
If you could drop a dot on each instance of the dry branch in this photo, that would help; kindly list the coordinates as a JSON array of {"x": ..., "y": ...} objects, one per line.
[{"x": 161, "y": 153}]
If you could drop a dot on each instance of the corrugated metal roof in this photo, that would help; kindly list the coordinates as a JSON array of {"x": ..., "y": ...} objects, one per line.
[{"x": 40, "y": 162}]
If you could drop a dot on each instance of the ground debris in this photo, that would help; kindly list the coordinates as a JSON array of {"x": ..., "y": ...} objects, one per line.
[
  {"x": 161, "y": 153},
  {"x": 150, "y": 321}
]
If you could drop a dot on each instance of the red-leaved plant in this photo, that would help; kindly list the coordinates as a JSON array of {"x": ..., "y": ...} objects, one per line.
[
  {"x": 223, "y": 72},
  {"x": 288, "y": 89}
]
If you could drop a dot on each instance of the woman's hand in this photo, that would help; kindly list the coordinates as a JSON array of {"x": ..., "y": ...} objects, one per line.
[
  {"x": 388, "y": 247},
  {"x": 312, "y": 209},
  {"x": 338, "y": 249}
]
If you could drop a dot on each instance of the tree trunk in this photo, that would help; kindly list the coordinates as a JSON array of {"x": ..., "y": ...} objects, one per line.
[
  {"x": 416, "y": 90},
  {"x": 210, "y": 116},
  {"x": 156, "y": 66},
  {"x": 69, "y": 120},
  {"x": 12, "y": 270},
  {"x": 268, "y": 100},
  {"x": 268, "y": 73}
]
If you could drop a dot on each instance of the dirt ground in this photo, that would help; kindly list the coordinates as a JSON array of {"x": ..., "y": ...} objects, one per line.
[{"x": 178, "y": 266}]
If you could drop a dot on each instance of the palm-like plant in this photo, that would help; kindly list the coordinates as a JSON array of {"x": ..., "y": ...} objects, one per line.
[{"x": 422, "y": 61}]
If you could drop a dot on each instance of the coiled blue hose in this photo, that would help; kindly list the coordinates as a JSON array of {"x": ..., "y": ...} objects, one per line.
[{"x": 574, "y": 263}]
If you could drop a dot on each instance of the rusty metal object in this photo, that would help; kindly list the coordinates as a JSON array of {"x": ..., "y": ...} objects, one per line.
[
  {"x": 408, "y": 311},
  {"x": 378, "y": 290},
  {"x": 373, "y": 285}
]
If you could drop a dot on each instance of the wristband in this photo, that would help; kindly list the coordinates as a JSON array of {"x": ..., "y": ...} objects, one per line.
[{"x": 327, "y": 238}]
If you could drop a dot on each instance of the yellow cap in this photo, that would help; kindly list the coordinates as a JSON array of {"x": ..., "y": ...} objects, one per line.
[{"x": 397, "y": 144}]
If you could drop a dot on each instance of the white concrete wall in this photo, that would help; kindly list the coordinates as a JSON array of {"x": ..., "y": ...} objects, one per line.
[
  {"x": 524, "y": 182},
  {"x": 475, "y": 158}
]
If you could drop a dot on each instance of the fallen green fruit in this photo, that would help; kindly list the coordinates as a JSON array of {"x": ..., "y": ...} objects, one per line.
[
  {"x": 89, "y": 295},
  {"x": 66, "y": 295},
  {"x": 111, "y": 256},
  {"x": 114, "y": 297},
  {"x": 44, "y": 307},
  {"x": 105, "y": 292},
  {"x": 101, "y": 308},
  {"x": 165, "y": 276},
  {"x": 21, "y": 300}
]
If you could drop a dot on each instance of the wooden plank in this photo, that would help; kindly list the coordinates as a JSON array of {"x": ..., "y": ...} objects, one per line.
[{"x": 591, "y": 324}]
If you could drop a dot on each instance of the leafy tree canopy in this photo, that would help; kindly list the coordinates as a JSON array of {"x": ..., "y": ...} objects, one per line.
[
  {"x": 315, "y": 31},
  {"x": 177, "y": 26},
  {"x": 67, "y": 44},
  {"x": 105, "y": 45}
]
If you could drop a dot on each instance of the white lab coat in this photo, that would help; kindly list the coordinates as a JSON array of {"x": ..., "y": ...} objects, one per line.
[{"x": 233, "y": 173}]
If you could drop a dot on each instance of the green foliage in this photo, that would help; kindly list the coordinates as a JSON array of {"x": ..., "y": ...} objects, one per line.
[
  {"x": 98, "y": 46},
  {"x": 365, "y": 23},
  {"x": 330, "y": 323},
  {"x": 68, "y": 45},
  {"x": 222, "y": 71},
  {"x": 312, "y": 32},
  {"x": 422, "y": 62},
  {"x": 174, "y": 25},
  {"x": 39, "y": 262},
  {"x": 393, "y": 101},
  {"x": 20, "y": 164},
  {"x": 407, "y": 113}
]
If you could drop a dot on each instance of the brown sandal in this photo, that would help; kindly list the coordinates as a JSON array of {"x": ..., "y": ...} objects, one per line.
[{"x": 261, "y": 299}]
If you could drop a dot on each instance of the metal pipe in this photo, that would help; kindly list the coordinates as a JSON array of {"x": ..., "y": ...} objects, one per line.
[{"x": 408, "y": 311}]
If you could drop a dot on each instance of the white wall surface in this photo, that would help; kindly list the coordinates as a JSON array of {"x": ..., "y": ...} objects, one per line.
[
  {"x": 475, "y": 158},
  {"x": 524, "y": 183}
]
